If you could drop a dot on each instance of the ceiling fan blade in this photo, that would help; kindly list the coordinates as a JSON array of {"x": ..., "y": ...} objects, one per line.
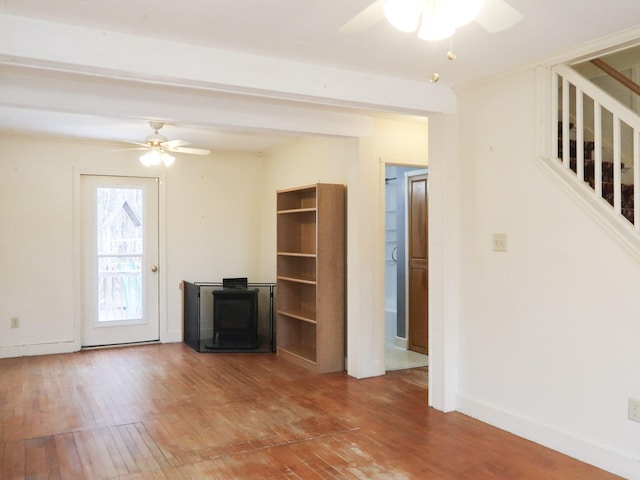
[
  {"x": 175, "y": 143},
  {"x": 366, "y": 19},
  {"x": 141, "y": 144},
  {"x": 498, "y": 15},
  {"x": 194, "y": 151}
]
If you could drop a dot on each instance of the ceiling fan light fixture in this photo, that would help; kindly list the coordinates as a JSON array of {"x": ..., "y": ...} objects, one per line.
[
  {"x": 439, "y": 17},
  {"x": 152, "y": 157},
  {"x": 403, "y": 14},
  {"x": 145, "y": 159},
  {"x": 461, "y": 12},
  {"x": 434, "y": 28},
  {"x": 168, "y": 159}
]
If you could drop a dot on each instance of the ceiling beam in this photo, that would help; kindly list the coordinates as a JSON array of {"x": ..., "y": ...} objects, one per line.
[{"x": 77, "y": 50}]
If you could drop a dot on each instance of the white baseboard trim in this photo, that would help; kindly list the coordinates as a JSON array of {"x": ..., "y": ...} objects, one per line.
[
  {"x": 549, "y": 436},
  {"x": 171, "y": 337},
  {"x": 401, "y": 343},
  {"x": 10, "y": 351}
]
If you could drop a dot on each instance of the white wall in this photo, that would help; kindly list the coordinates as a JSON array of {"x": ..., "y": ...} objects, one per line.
[
  {"x": 303, "y": 162},
  {"x": 36, "y": 241},
  {"x": 548, "y": 331},
  {"x": 212, "y": 224},
  {"x": 401, "y": 140},
  {"x": 212, "y": 230}
]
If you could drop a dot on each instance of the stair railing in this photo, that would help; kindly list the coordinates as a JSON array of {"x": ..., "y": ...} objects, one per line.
[
  {"x": 569, "y": 91},
  {"x": 616, "y": 75}
]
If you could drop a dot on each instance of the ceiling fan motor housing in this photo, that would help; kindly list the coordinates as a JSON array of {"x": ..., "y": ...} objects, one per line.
[{"x": 155, "y": 139}]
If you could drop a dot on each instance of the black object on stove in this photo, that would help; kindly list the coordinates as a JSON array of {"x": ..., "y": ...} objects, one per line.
[{"x": 240, "y": 282}]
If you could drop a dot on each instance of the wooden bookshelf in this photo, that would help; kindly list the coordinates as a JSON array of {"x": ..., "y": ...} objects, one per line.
[{"x": 310, "y": 276}]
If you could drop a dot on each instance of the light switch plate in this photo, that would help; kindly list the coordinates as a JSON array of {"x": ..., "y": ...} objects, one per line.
[{"x": 499, "y": 242}]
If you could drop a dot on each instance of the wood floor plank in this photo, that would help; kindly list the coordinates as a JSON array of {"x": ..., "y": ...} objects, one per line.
[
  {"x": 70, "y": 464},
  {"x": 159, "y": 460},
  {"x": 41, "y": 459},
  {"x": 12, "y": 466},
  {"x": 138, "y": 449},
  {"x": 163, "y": 412},
  {"x": 107, "y": 443},
  {"x": 120, "y": 438},
  {"x": 95, "y": 460}
]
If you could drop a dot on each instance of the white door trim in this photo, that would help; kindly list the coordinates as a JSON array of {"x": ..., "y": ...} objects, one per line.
[{"x": 77, "y": 244}]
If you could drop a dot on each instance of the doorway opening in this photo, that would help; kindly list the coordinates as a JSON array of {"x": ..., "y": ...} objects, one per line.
[{"x": 397, "y": 312}]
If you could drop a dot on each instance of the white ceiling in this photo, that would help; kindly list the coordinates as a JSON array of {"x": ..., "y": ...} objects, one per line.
[{"x": 301, "y": 31}]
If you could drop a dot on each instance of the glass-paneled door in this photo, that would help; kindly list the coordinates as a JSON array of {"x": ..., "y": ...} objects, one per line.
[{"x": 119, "y": 259}]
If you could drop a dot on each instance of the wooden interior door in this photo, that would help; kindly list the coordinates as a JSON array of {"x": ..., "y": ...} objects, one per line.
[{"x": 418, "y": 264}]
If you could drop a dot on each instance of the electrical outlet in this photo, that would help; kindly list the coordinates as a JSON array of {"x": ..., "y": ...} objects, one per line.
[
  {"x": 15, "y": 322},
  {"x": 499, "y": 242},
  {"x": 634, "y": 409}
]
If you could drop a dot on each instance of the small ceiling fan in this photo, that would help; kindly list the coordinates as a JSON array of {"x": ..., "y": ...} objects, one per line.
[
  {"x": 494, "y": 16},
  {"x": 159, "y": 148}
]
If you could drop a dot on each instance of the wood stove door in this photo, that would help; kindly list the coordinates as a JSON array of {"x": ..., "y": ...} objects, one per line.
[{"x": 235, "y": 318}]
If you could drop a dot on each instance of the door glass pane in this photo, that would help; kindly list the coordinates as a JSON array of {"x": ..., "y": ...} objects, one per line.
[{"x": 119, "y": 238}]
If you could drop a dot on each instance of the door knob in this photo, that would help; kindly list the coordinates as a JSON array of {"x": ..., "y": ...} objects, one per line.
[{"x": 154, "y": 269}]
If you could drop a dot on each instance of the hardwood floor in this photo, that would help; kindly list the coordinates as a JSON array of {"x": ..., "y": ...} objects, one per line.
[{"x": 166, "y": 412}]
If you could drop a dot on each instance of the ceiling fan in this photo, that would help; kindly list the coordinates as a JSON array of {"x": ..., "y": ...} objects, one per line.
[
  {"x": 494, "y": 15},
  {"x": 159, "y": 148}
]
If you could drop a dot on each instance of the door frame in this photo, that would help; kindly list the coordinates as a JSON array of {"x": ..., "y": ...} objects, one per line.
[
  {"x": 410, "y": 171},
  {"x": 77, "y": 244},
  {"x": 415, "y": 171}
]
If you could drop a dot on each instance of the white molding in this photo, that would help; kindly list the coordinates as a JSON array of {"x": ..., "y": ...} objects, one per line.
[
  {"x": 444, "y": 268},
  {"x": 598, "y": 47},
  {"x": 171, "y": 337},
  {"x": 10, "y": 351},
  {"x": 163, "y": 300},
  {"x": 597, "y": 208},
  {"x": 583, "y": 449}
]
